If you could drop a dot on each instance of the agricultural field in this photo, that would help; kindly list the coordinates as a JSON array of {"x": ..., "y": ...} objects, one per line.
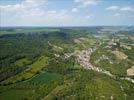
[
  {"x": 22, "y": 62},
  {"x": 33, "y": 69}
]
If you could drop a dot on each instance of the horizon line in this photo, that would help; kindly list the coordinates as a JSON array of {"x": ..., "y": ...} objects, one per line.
[{"x": 76, "y": 26}]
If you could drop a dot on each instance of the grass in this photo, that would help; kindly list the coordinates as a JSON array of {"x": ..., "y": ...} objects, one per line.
[
  {"x": 118, "y": 67},
  {"x": 45, "y": 77},
  {"x": 89, "y": 85},
  {"x": 13, "y": 94},
  {"x": 50, "y": 96},
  {"x": 34, "y": 68},
  {"x": 84, "y": 43},
  {"x": 129, "y": 53},
  {"x": 57, "y": 48},
  {"x": 76, "y": 65},
  {"x": 45, "y": 82},
  {"x": 79, "y": 85},
  {"x": 22, "y": 62},
  {"x": 120, "y": 55}
]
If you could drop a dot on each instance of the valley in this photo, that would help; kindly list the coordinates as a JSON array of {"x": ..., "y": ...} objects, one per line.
[{"x": 66, "y": 63}]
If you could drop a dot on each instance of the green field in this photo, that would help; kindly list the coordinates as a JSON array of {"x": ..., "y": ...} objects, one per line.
[
  {"x": 34, "y": 68},
  {"x": 22, "y": 62},
  {"x": 45, "y": 77},
  {"x": 103, "y": 58},
  {"x": 14, "y": 94},
  {"x": 91, "y": 86}
]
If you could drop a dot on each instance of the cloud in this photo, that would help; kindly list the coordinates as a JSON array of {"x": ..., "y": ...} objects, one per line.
[
  {"x": 11, "y": 8},
  {"x": 24, "y": 6},
  {"x": 34, "y": 3},
  {"x": 86, "y": 3},
  {"x": 121, "y": 9},
  {"x": 74, "y": 10},
  {"x": 123, "y": 15},
  {"x": 127, "y": 8},
  {"x": 52, "y": 12},
  {"x": 31, "y": 12},
  {"x": 113, "y": 8},
  {"x": 91, "y": 17},
  {"x": 116, "y": 14}
]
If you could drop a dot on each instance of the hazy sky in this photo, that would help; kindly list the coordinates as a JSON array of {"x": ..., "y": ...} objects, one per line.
[{"x": 66, "y": 12}]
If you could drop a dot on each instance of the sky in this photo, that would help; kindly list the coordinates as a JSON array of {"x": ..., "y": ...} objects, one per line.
[{"x": 66, "y": 12}]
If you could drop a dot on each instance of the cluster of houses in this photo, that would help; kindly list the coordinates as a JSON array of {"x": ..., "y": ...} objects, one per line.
[{"x": 83, "y": 59}]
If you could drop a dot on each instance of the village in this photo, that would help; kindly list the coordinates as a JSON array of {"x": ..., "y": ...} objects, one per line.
[{"x": 83, "y": 58}]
